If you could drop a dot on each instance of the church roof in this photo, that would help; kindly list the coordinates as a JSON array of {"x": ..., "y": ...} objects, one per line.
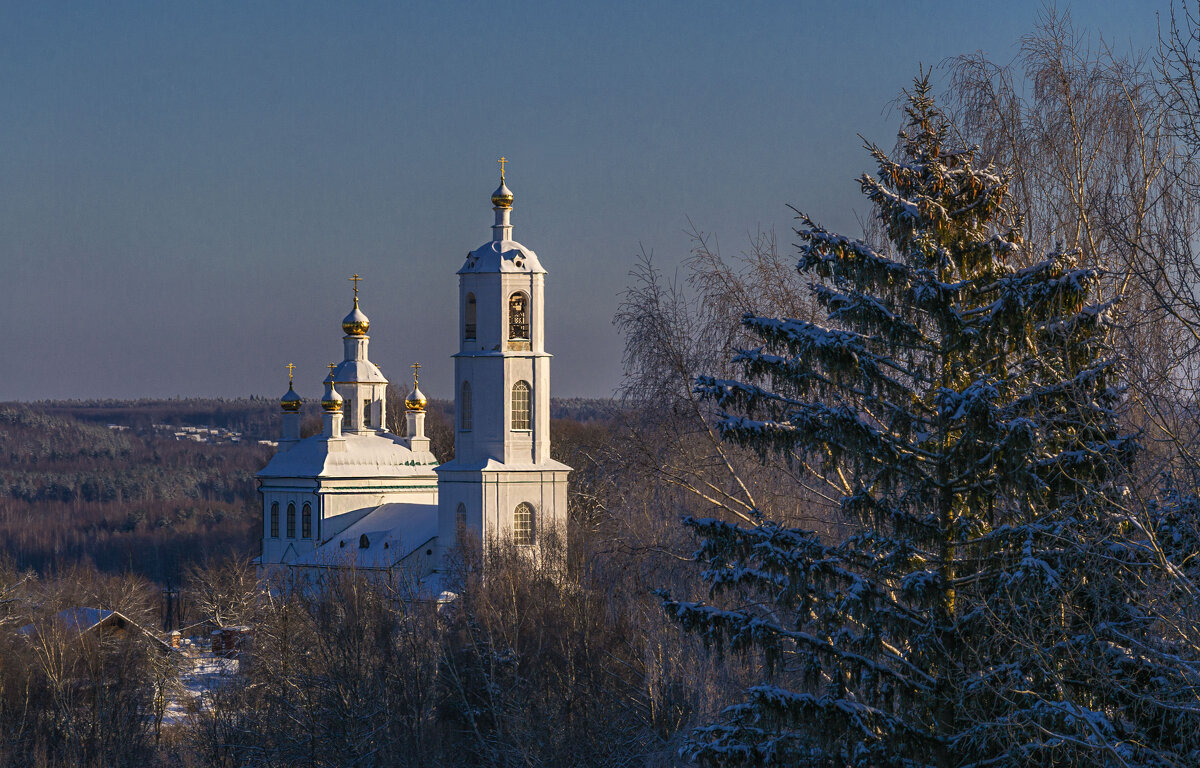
[
  {"x": 363, "y": 371},
  {"x": 370, "y": 455},
  {"x": 492, "y": 465},
  {"x": 391, "y": 532},
  {"x": 502, "y": 256}
]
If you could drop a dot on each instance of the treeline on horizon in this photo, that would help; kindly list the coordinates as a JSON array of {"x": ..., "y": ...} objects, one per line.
[
  {"x": 74, "y": 491},
  {"x": 255, "y": 416}
]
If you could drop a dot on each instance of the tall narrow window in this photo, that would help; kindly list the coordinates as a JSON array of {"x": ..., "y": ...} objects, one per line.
[
  {"x": 469, "y": 318},
  {"x": 520, "y": 405},
  {"x": 291, "y": 521},
  {"x": 464, "y": 420},
  {"x": 367, "y": 412},
  {"x": 306, "y": 522},
  {"x": 523, "y": 524},
  {"x": 274, "y": 519},
  {"x": 518, "y": 317},
  {"x": 460, "y": 519}
]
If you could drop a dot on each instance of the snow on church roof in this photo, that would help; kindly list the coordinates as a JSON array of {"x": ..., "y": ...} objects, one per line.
[
  {"x": 502, "y": 256},
  {"x": 361, "y": 371},
  {"x": 491, "y": 465},
  {"x": 391, "y": 532},
  {"x": 370, "y": 455}
]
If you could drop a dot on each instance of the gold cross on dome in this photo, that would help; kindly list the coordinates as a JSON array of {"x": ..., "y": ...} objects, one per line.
[
  {"x": 355, "y": 279},
  {"x": 331, "y": 367},
  {"x": 291, "y": 367},
  {"x": 502, "y": 161},
  {"x": 416, "y": 372}
]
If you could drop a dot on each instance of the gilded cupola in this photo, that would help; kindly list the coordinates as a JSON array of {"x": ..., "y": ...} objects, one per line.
[
  {"x": 290, "y": 402},
  {"x": 331, "y": 401},
  {"x": 416, "y": 400},
  {"x": 356, "y": 323},
  {"x": 503, "y": 196}
]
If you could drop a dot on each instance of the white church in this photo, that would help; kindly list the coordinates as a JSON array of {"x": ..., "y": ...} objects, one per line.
[{"x": 358, "y": 496}]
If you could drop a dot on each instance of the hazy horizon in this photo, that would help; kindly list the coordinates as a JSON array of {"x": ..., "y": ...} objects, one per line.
[{"x": 184, "y": 191}]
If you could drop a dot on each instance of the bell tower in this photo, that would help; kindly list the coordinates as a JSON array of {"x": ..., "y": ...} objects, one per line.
[{"x": 502, "y": 483}]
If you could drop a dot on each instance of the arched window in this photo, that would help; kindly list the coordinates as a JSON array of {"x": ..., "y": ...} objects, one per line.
[
  {"x": 464, "y": 420},
  {"x": 367, "y": 412},
  {"x": 469, "y": 318},
  {"x": 306, "y": 522},
  {"x": 460, "y": 519},
  {"x": 518, "y": 317},
  {"x": 291, "y": 521},
  {"x": 363, "y": 542},
  {"x": 274, "y": 519},
  {"x": 520, "y": 405},
  {"x": 523, "y": 524}
]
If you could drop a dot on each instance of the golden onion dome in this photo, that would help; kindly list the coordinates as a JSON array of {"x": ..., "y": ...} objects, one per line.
[
  {"x": 290, "y": 402},
  {"x": 503, "y": 196},
  {"x": 331, "y": 401},
  {"x": 356, "y": 323},
  {"x": 416, "y": 400}
]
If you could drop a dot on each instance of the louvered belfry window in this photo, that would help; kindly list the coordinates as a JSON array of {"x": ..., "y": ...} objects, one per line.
[{"x": 518, "y": 317}]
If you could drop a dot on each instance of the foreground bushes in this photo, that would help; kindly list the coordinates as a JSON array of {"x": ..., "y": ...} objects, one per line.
[{"x": 526, "y": 667}]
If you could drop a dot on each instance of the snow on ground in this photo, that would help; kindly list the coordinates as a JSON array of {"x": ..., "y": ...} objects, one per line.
[{"x": 201, "y": 672}]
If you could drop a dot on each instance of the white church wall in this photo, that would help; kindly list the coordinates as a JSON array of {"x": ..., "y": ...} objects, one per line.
[
  {"x": 487, "y": 309},
  {"x": 541, "y": 410},
  {"x": 275, "y": 546},
  {"x": 518, "y": 443},
  {"x": 487, "y": 434},
  {"x": 545, "y": 491},
  {"x": 537, "y": 317},
  {"x": 335, "y": 506},
  {"x": 491, "y": 499}
]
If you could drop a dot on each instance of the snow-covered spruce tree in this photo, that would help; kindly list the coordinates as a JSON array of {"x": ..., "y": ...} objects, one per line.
[{"x": 980, "y": 613}]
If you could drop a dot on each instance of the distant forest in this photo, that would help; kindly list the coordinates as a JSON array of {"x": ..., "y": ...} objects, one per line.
[{"x": 95, "y": 482}]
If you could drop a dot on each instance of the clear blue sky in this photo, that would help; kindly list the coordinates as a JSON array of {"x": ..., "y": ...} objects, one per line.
[{"x": 184, "y": 188}]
